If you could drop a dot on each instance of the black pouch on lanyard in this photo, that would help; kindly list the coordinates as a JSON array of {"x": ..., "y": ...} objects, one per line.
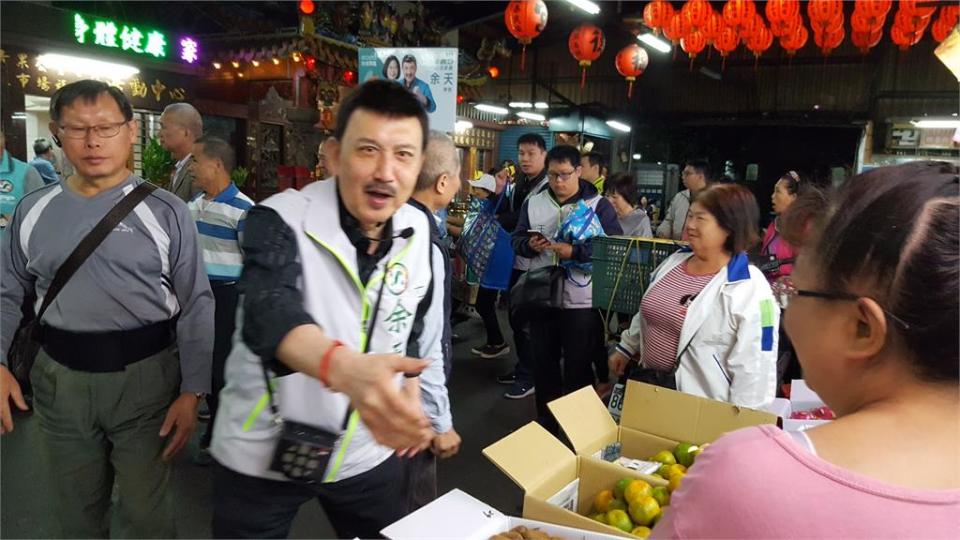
[{"x": 304, "y": 451}]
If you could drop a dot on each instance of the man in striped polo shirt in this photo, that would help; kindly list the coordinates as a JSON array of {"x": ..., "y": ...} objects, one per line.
[{"x": 219, "y": 210}]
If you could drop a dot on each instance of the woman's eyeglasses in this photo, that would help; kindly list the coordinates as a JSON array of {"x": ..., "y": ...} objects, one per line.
[{"x": 784, "y": 291}]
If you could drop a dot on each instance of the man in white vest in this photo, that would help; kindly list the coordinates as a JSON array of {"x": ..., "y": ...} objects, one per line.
[
  {"x": 565, "y": 341},
  {"x": 334, "y": 284}
]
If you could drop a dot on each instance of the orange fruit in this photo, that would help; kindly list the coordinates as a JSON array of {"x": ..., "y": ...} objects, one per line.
[
  {"x": 621, "y": 487},
  {"x": 642, "y": 532},
  {"x": 644, "y": 510},
  {"x": 675, "y": 469},
  {"x": 601, "y": 503},
  {"x": 683, "y": 453},
  {"x": 675, "y": 481},
  {"x": 662, "y": 496},
  {"x": 665, "y": 457},
  {"x": 599, "y": 516},
  {"x": 635, "y": 490},
  {"x": 620, "y": 520}
]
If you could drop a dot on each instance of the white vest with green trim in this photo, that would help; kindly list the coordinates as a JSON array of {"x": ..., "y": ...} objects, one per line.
[{"x": 245, "y": 434}]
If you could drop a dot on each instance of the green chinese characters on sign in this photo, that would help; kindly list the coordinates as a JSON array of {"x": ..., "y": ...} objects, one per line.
[{"x": 126, "y": 38}]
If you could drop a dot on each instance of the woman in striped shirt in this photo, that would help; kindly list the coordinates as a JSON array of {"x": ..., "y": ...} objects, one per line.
[{"x": 707, "y": 323}]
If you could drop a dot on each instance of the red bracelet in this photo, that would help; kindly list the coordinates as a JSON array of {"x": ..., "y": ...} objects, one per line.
[{"x": 325, "y": 362}]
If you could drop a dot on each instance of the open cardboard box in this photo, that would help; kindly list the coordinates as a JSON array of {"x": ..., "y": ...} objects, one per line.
[
  {"x": 457, "y": 515},
  {"x": 547, "y": 471},
  {"x": 653, "y": 419}
]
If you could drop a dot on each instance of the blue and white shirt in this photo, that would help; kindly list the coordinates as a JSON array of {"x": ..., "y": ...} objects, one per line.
[{"x": 219, "y": 224}]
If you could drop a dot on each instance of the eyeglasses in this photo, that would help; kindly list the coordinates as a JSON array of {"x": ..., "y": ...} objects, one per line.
[
  {"x": 784, "y": 291},
  {"x": 562, "y": 176},
  {"x": 104, "y": 131}
]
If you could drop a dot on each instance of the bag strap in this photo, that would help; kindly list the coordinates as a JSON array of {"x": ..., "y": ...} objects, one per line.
[
  {"x": 92, "y": 240},
  {"x": 499, "y": 200},
  {"x": 366, "y": 348}
]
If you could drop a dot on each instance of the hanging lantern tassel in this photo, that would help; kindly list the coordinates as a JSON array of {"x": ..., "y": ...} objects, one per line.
[
  {"x": 523, "y": 56},
  {"x": 630, "y": 87},
  {"x": 583, "y": 72}
]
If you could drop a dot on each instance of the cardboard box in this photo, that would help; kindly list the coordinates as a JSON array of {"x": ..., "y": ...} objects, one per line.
[
  {"x": 653, "y": 419},
  {"x": 457, "y": 515},
  {"x": 802, "y": 398},
  {"x": 541, "y": 465}
]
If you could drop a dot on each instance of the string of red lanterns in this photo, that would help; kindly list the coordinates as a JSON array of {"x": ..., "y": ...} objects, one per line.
[{"x": 697, "y": 26}]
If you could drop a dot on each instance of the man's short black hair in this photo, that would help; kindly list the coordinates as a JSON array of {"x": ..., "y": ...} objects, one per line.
[
  {"x": 385, "y": 98},
  {"x": 596, "y": 158},
  {"x": 89, "y": 91},
  {"x": 702, "y": 166},
  {"x": 409, "y": 59},
  {"x": 563, "y": 152},
  {"x": 41, "y": 146},
  {"x": 217, "y": 148},
  {"x": 532, "y": 138}
]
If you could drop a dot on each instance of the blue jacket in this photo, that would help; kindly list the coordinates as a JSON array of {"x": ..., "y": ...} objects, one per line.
[{"x": 425, "y": 91}]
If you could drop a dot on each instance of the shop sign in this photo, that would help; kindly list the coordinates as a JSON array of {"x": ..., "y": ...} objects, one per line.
[
  {"x": 132, "y": 39},
  {"x": 147, "y": 89}
]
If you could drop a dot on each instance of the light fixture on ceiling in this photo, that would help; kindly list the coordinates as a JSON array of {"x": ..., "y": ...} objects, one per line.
[
  {"x": 531, "y": 116},
  {"x": 711, "y": 73},
  {"x": 619, "y": 126},
  {"x": 637, "y": 157},
  {"x": 235, "y": 64},
  {"x": 276, "y": 61},
  {"x": 940, "y": 123},
  {"x": 18, "y": 116},
  {"x": 240, "y": 75},
  {"x": 216, "y": 65},
  {"x": 521, "y": 104},
  {"x": 79, "y": 65},
  {"x": 655, "y": 42},
  {"x": 492, "y": 109},
  {"x": 256, "y": 63},
  {"x": 462, "y": 125},
  {"x": 586, "y": 5},
  {"x": 541, "y": 105}
]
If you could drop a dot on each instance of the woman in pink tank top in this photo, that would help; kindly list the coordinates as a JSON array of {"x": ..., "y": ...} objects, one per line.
[{"x": 873, "y": 317}]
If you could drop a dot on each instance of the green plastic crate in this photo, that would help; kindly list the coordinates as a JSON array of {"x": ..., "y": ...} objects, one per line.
[{"x": 630, "y": 259}]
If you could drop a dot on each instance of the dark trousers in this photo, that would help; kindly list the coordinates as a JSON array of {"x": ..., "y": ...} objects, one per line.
[
  {"x": 487, "y": 309},
  {"x": 224, "y": 322},
  {"x": 521, "y": 339},
  {"x": 250, "y": 507},
  {"x": 565, "y": 344},
  {"x": 421, "y": 480}
]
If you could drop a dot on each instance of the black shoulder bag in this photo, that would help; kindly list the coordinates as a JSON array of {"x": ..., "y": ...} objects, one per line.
[{"x": 26, "y": 341}]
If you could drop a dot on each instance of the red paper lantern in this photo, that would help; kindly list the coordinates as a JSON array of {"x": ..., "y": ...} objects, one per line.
[
  {"x": 525, "y": 19},
  {"x": 779, "y": 10},
  {"x": 736, "y": 13},
  {"x": 693, "y": 44},
  {"x": 941, "y": 29},
  {"x": 950, "y": 14},
  {"x": 695, "y": 15},
  {"x": 795, "y": 41},
  {"x": 781, "y": 13},
  {"x": 726, "y": 42},
  {"x": 829, "y": 41},
  {"x": 673, "y": 30},
  {"x": 823, "y": 14},
  {"x": 752, "y": 27},
  {"x": 713, "y": 27},
  {"x": 866, "y": 40},
  {"x": 760, "y": 41},
  {"x": 657, "y": 14},
  {"x": 586, "y": 44},
  {"x": 903, "y": 39},
  {"x": 630, "y": 62},
  {"x": 306, "y": 7},
  {"x": 922, "y": 9},
  {"x": 911, "y": 24},
  {"x": 860, "y": 23},
  {"x": 874, "y": 11},
  {"x": 494, "y": 72}
]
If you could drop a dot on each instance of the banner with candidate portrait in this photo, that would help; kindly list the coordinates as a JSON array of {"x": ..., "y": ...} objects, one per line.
[{"x": 430, "y": 73}]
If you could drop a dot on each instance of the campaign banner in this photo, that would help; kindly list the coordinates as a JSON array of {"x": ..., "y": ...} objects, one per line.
[{"x": 430, "y": 73}]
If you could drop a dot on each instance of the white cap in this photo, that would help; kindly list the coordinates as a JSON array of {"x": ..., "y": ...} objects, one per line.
[{"x": 486, "y": 182}]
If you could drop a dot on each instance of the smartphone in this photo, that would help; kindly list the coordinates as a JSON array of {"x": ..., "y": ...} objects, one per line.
[{"x": 536, "y": 234}]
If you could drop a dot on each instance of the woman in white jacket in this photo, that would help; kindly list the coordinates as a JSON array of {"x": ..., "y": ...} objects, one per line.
[{"x": 708, "y": 321}]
